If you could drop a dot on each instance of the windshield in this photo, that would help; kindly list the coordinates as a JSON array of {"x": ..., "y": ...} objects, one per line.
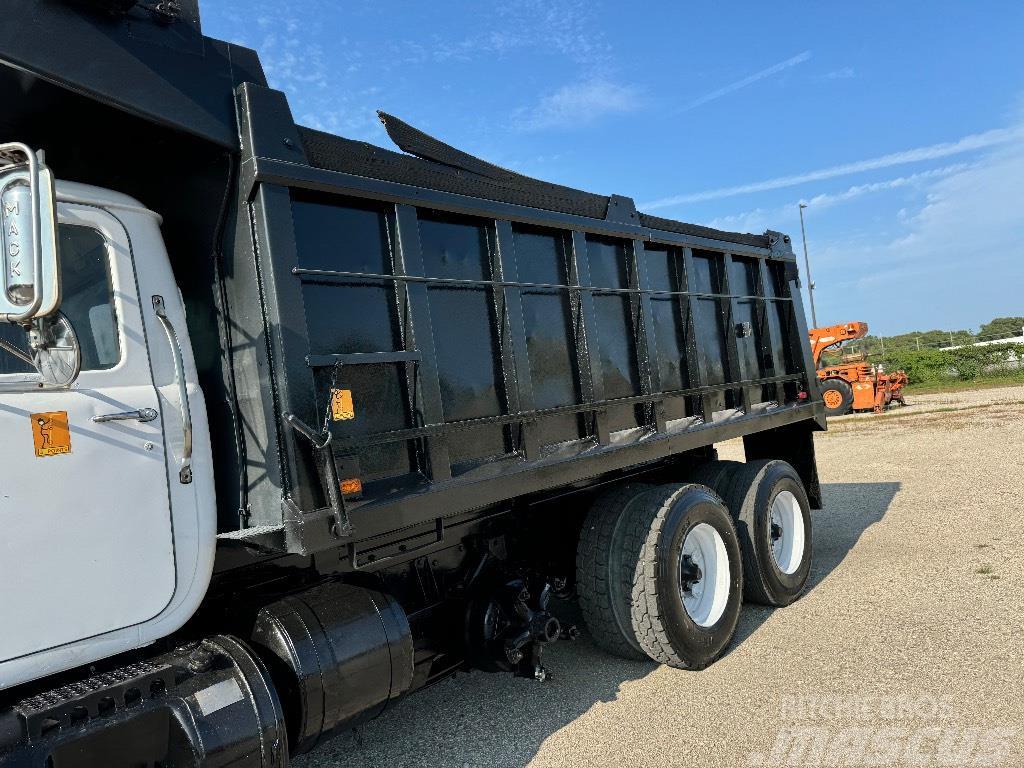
[{"x": 87, "y": 302}]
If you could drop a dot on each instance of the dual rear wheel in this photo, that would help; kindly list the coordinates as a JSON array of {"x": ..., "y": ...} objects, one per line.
[{"x": 662, "y": 570}]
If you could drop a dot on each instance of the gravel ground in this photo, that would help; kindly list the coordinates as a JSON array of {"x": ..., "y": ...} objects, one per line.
[{"x": 910, "y": 638}]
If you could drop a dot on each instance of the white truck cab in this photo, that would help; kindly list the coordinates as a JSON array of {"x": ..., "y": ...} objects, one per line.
[{"x": 107, "y": 502}]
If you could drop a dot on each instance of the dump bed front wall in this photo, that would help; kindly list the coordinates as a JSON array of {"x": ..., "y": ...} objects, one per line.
[{"x": 477, "y": 340}]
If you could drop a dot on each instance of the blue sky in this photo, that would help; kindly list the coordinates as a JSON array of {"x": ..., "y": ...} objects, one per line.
[{"x": 900, "y": 125}]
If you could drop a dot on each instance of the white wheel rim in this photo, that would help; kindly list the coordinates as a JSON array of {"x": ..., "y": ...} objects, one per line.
[
  {"x": 786, "y": 532},
  {"x": 704, "y": 577}
]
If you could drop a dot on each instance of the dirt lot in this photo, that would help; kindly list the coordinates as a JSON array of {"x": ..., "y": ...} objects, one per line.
[{"x": 908, "y": 648}]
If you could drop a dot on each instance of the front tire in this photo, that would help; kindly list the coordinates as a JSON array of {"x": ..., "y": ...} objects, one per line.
[
  {"x": 689, "y": 586},
  {"x": 838, "y": 396},
  {"x": 768, "y": 501}
]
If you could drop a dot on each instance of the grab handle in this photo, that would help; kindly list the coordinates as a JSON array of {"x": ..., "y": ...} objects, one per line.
[{"x": 185, "y": 471}]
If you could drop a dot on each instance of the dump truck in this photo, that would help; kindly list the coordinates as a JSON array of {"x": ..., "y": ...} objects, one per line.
[
  {"x": 852, "y": 383},
  {"x": 294, "y": 425}
]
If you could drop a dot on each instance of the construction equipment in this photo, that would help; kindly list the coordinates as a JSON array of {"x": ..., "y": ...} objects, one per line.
[{"x": 854, "y": 384}]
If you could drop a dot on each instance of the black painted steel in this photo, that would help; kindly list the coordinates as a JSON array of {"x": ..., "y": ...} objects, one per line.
[
  {"x": 208, "y": 705},
  {"x": 169, "y": 74},
  {"x": 439, "y": 166},
  {"x": 338, "y": 655},
  {"x": 478, "y": 314},
  {"x": 547, "y": 332},
  {"x": 270, "y": 171}
]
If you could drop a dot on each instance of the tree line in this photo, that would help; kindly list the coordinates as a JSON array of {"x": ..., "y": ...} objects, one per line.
[{"x": 997, "y": 328}]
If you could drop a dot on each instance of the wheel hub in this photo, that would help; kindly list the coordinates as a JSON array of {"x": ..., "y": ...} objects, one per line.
[
  {"x": 704, "y": 580},
  {"x": 786, "y": 532},
  {"x": 833, "y": 398},
  {"x": 690, "y": 574}
]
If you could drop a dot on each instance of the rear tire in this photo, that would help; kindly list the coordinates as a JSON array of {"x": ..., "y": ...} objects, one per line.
[
  {"x": 838, "y": 396},
  {"x": 605, "y": 565},
  {"x": 768, "y": 501},
  {"x": 714, "y": 474},
  {"x": 689, "y": 586}
]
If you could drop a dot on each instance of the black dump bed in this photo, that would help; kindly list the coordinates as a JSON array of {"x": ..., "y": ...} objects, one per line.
[
  {"x": 464, "y": 335},
  {"x": 468, "y": 335}
]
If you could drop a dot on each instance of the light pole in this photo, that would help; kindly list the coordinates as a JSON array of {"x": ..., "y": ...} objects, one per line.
[{"x": 807, "y": 263}]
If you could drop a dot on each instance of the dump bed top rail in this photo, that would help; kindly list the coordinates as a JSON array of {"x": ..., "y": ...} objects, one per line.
[{"x": 439, "y": 166}]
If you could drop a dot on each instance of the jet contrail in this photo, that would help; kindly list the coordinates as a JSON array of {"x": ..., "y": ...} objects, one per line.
[{"x": 725, "y": 90}]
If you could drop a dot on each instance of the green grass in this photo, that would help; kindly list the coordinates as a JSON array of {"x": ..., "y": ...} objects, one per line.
[{"x": 956, "y": 385}]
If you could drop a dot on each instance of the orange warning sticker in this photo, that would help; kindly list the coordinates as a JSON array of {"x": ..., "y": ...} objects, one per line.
[
  {"x": 351, "y": 486},
  {"x": 342, "y": 408},
  {"x": 50, "y": 433}
]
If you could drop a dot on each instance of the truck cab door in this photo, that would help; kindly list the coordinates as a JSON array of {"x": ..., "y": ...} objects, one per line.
[{"x": 86, "y": 541}]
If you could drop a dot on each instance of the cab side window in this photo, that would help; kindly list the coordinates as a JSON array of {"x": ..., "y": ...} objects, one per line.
[{"x": 87, "y": 300}]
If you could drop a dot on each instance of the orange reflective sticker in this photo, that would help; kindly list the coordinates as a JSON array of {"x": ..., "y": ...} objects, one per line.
[
  {"x": 50, "y": 433},
  {"x": 351, "y": 486},
  {"x": 342, "y": 408}
]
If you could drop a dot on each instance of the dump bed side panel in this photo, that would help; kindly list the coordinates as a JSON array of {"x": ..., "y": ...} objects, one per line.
[
  {"x": 461, "y": 351},
  {"x": 467, "y": 332}
]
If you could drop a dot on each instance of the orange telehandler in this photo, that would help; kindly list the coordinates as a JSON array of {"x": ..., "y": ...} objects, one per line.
[{"x": 853, "y": 384}]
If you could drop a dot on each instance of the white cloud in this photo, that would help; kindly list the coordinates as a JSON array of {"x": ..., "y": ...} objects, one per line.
[
  {"x": 975, "y": 213},
  {"x": 956, "y": 261},
  {"x": 306, "y": 54},
  {"x": 843, "y": 73},
  {"x": 565, "y": 28},
  {"x": 759, "y": 219},
  {"x": 826, "y": 200},
  {"x": 581, "y": 102},
  {"x": 319, "y": 71},
  {"x": 749, "y": 80},
  {"x": 971, "y": 143}
]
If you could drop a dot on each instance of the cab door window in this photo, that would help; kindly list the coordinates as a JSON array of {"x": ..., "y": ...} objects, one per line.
[{"x": 87, "y": 300}]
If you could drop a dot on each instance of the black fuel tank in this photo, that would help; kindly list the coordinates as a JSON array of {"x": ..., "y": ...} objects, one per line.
[{"x": 338, "y": 654}]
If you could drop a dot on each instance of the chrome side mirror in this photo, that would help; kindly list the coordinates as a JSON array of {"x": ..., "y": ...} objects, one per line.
[
  {"x": 30, "y": 285},
  {"x": 56, "y": 353},
  {"x": 52, "y": 349}
]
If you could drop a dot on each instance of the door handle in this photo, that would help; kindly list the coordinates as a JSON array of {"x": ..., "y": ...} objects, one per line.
[
  {"x": 185, "y": 471},
  {"x": 143, "y": 414}
]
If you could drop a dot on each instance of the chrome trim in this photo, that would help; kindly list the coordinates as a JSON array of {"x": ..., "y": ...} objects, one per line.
[
  {"x": 37, "y": 247},
  {"x": 185, "y": 472},
  {"x": 143, "y": 414}
]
